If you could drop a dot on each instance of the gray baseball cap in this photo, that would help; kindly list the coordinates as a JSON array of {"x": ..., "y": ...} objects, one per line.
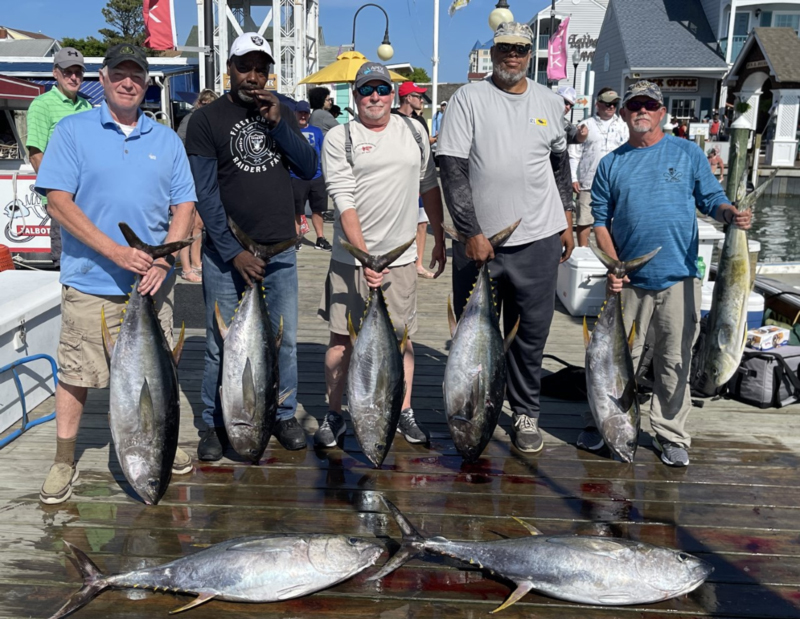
[
  {"x": 513, "y": 32},
  {"x": 643, "y": 88},
  {"x": 371, "y": 71},
  {"x": 68, "y": 57}
]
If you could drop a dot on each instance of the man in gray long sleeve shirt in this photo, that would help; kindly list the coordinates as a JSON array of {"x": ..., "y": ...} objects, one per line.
[{"x": 502, "y": 156}]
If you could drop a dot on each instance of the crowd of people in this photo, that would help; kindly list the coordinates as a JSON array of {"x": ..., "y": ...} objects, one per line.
[{"x": 506, "y": 152}]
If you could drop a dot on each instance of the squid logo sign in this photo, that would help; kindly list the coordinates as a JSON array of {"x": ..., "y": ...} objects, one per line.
[
  {"x": 26, "y": 222},
  {"x": 252, "y": 148}
]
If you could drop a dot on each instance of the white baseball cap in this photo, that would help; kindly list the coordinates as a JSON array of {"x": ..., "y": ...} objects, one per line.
[{"x": 251, "y": 42}]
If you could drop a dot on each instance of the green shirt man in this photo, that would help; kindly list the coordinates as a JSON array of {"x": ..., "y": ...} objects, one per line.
[{"x": 45, "y": 112}]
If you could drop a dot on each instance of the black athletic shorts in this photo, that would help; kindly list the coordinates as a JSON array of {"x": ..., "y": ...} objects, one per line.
[{"x": 312, "y": 191}]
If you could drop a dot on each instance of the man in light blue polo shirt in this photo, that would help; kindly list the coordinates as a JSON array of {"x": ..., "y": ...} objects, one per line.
[{"x": 102, "y": 167}]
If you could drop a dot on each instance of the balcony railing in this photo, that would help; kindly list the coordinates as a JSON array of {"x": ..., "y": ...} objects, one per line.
[
  {"x": 544, "y": 39},
  {"x": 738, "y": 43},
  {"x": 541, "y": 77}
]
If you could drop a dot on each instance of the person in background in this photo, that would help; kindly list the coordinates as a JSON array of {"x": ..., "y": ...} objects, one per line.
[
  {"x": 714, "y": 128},
  {"x": 657, "y": 169},
  {"x": 411, "y": 105},
  {"x": 312, "y": 191},
  {"x": 99, "y": 170},
  {"x": 716, "y": 163},
  {"x": 46, "y": 110},
  {"x": 438, "y": 117},
  {"x": 321, "y": 102},
  {"x": 575, "y": 135},
  {"x": 191, "y": 257},
  {"x": 604, "y": 132}
]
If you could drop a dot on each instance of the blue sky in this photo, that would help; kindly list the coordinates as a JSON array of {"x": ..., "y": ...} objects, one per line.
[{"x": 410, "y": 25}]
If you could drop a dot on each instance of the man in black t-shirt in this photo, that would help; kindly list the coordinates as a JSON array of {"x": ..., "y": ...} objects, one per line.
[{"x": 240, "y": 148}]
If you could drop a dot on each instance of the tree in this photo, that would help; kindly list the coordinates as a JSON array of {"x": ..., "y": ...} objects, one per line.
[
  {"x": 89, "y": 46},
  {"x": 418, "y": 74},
  {"x": 126, "y": 20}
]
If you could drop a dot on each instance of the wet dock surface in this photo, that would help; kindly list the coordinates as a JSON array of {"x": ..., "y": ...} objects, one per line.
[{"x": 737, "y": 505}]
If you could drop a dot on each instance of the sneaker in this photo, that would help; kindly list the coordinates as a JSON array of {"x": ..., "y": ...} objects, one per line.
[
  {"x": 671, "y": 453},
  {"x": 409, "y": 429},
  {"x": 57, "y": 488},
  {"x": 182, "y": 463},
  {"x": 527, "y": 437},
  {"x": 327, "y": 435},
  {"x": 290, "y": 434},
  {"x": 590, "y": 439},
  {"x": 210, "y": 446},
  {"x": 322, "y": 243}
]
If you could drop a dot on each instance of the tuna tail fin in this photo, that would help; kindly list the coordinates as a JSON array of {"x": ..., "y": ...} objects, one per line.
[
  {"x": 619, "y": 268},
  {"x": 376, "y": 263},
  {"x": 265, "y": 252},
  {"x": 501, "y": 237},
  {"x": 412, "y": 545},
  {"x": 454, "y": 234},
  {"x": 154, "y": 251},
  {"x": 747, "y": 202},
  {"x": 94, "y": 582}
]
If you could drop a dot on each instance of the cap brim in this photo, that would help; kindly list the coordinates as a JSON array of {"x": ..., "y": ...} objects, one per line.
[
  {"x": 271, "y": 59},
  {"x": 67, "y": 64},
  {"x": 118, "y": 61},
  {"x": 512, "y": 38},
  {"x": 366, "y": 79}
]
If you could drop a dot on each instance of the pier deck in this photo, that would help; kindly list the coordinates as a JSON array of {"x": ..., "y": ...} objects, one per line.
[{"x": 737, "y": 505}]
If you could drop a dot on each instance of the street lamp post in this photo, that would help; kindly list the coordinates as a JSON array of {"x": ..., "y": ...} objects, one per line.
[
  {"x": 576, "y": 59},
  {"x": 501, "y": 14},
  {"x": 385, "y": 51}
]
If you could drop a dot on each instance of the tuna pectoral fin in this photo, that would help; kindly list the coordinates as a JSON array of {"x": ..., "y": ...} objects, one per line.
[
  {"x": 93, "y": 583},
  {"x": 154, "y": 251},
  {"x": 200, "y": 599},
  {"x": 248, "y": 389},
  {"x": 176, "y": 352},
  {"x": 531, "y": 529},
  {"x": 586, "y": 336},
  {"x": 279, "y": 337},
  {"x": 350, "y": 328},
  {"x": 523, "y": 587},
  {"x": 376, "y": 263},
  {"x": 223, "y": 330},
  {"x": 284, "y": 396},
  {"x": 625, "y": 401},
  {"x": 510, "y": 337},
  {"x": 146, "y": 414},
  {"x": 631, "y": 337},
  {"x": 404, "y": 341},
  {"x": 108, "y": 341},
  {"x": 451, "y": 318}
]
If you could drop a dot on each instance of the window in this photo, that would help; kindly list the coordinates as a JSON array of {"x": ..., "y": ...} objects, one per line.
[
  {"x": 741, "y": 24},
  {"x": 787, "y": 20},
  {"x": 683, "y": 109}
]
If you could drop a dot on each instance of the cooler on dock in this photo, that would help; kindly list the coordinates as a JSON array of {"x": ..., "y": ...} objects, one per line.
[
  {"x": 581, "y": 284},
  {"x": 30, "y": 322},
  {"x": 755, "y": 306}
]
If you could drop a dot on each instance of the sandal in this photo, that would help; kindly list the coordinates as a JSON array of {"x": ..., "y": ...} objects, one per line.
[
  {"x": 191, "y": 276},
  {"x": 421, "y": 272}
]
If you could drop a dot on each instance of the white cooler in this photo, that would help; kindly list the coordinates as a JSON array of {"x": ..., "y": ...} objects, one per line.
[
  {"x": 30, "y": 321},
  {"x": 709, "y": 236},
  {"x": 755, "y": 306},
  {"x": 581, "y": 284}
]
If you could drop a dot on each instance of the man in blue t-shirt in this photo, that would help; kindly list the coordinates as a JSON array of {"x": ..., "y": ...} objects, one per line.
[
  {"x": 312, "y": 191},
  {"x": 649, "y": 189}
]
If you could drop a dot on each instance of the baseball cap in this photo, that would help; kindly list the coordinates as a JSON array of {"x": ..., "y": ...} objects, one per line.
[
  {"x": 406, "y": 88},
  {"x": 251, "y": 42},
  {"x": 370, "y": 71},
  {"x": 121, "y": 52},
  {"x": 513, "y": 32},
  {"x": 302, "y": 106},
  {"x": 443, "y": 102},
  {"x": 643, "y": 88},
  {"x": 609, "y": 96},
  {"x": 568, "y": 94},
  {"x": 68, "y": 57}
]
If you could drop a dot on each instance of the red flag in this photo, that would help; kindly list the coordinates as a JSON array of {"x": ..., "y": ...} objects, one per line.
[
  {"x": 557, "y": 53},
  {"x": 159, "y": 24}
]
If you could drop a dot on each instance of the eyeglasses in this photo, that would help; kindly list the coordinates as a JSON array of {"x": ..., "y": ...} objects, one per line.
[
  {"x": 329, "y": 99},
  {"x": 651, "y": 105},
  {"x": 612, "y": 104},
  {"x": 415, "y": 95},
  {"x": 507, "y": 48},
  {"x": 367, "y": 90}
]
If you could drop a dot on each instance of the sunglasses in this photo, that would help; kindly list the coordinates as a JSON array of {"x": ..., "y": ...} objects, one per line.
[
  {"x": 651, "y": 105},
  {"x": 415, "y": 95},
  {"x": 507, "y": 48},
  {"x": 367, "y": 90},
  {"x": 612, "y": 104}
]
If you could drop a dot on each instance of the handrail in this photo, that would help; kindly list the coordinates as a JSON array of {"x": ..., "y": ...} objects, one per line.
[{"x": 12, "y": 367}]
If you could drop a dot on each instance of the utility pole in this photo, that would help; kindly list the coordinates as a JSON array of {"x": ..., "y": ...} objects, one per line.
[{"x": 435, "y": 59}]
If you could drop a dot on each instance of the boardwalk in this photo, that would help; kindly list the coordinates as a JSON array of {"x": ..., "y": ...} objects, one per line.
[{"x": 737, "y": 505}]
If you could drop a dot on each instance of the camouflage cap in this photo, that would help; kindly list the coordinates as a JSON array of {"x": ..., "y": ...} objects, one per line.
[
  {"x": 643, "y": 88},
  {"x": 513, "y": 32}
]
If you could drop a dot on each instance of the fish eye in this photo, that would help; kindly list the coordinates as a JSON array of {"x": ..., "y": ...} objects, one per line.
[
  {"x": 683, "y": 557},
  {"x": 631, "y": 444},
  {"x": 353, "y": 541}
]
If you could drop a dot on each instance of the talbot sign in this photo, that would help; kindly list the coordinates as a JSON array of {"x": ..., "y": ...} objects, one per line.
[
  {"x": 676, "y": 84},
  {"x": 584, "y": 44}
]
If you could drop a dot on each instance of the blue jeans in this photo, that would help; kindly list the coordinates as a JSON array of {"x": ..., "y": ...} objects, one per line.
[{"x": 223, "y": 284}]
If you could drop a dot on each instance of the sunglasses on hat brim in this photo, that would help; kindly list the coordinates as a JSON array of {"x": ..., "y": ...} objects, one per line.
[{"x": 366, "y": 90}]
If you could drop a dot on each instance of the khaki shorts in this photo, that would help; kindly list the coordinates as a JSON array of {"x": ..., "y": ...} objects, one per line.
[
  {"x": 82, "y": 359},
  {"x": 583, "y": 210},
  {"x": 346, "y": 292}
]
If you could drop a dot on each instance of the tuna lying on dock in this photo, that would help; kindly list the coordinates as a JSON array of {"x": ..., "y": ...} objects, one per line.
[
  {"x": 578, "y": 568},
  {"x": 475, "y": 375},
  {"x": 265, "y": 568},
  {"x": 144, "y": 410},
  {"x": 375, "y": 379},
  {"x": 250, "y": 379},
  {"x": 610, "y": 378}
]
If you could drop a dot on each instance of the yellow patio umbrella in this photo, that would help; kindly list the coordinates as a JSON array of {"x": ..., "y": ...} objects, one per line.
[{"x": 344, "y": 70}]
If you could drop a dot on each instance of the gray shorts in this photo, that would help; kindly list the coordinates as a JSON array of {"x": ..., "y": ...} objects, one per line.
[
  {"x": 346, "y": 292},
  {"x": 583, "y": 209}
]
